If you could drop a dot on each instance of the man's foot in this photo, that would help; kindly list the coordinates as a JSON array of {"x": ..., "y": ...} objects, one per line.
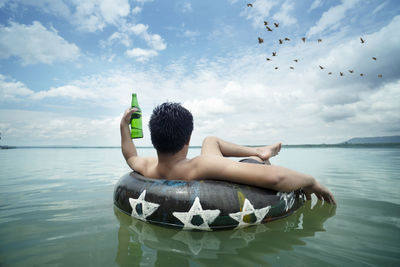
[{"x": 268, "y": 152}]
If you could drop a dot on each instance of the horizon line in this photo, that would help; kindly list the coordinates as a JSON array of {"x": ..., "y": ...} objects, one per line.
[{"x": 198, "y": 146}]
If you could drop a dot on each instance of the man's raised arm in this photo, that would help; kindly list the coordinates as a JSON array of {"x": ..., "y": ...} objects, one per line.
[{"x": 127, "y": 146}]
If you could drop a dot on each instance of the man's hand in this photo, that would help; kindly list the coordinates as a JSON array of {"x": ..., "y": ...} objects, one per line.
[
  {"x": 321, "y": 192},
  {"x": 127, "y": 146},
  {"x": 126, "y": 118}
]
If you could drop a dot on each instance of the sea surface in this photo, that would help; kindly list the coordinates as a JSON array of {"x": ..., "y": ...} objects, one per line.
[{"x": 56, "y": 209}]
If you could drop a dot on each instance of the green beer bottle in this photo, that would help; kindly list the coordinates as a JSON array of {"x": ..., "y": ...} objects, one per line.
[{"x": 136, "y": 119}]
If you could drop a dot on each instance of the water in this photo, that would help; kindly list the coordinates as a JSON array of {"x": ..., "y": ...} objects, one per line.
[{"x": 56, "y": 209}]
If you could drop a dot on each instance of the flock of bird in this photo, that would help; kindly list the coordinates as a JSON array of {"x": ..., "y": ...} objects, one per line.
[{"x": 271, "y": 28}]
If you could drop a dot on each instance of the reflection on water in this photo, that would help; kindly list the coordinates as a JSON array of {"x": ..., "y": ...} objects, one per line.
[{"x": 147, "y": 244}]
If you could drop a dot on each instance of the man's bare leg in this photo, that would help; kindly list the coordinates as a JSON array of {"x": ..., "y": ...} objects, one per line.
[
  {"x": 218, "y": 147},
  {"x": 287, "y": 180}
]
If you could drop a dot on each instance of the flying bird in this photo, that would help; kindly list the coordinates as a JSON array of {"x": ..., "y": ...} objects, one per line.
[
  {"x": 291, "y": 68},
  {"x": 260, "y": 40},
  {"x": 295, "y": 60},
  {"x": 341, "y": 73},
  {"x": 276, "y": 24},
  {"x": 321, "y": 67},
  {"x": 280, "y": 41},
  {"x": 362, "y": 40},
  {"x": 361, "y": 74},
  {"x": 250, "y": 5},
  {"x": 265, "y": 23},
  {"x": 319, "y": 40},
  {"x": 268, "y": 59},
  {"x": 329, "y": 73},
  {"x": 379, "y": 75},
  {"x": 287, "y": 39},
  {"x": 269, "y": 29},
  {"x": 351, "y": 71},
  {"x": 304, "y": 39},
  {"x": 273, "y": 54},
  {"x": 374, "y": 58},
  {"x": 276, "y": 68}
]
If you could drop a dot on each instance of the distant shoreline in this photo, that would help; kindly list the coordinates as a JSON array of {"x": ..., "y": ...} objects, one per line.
[
  {"x": 357, "y": 142},
  {"x": 342, "y": 145}
]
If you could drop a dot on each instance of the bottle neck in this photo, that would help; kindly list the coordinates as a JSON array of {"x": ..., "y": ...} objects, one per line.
[{"x": 134, "y": 101}]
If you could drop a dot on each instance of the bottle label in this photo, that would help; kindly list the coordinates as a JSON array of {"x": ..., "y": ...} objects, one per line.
[{"x": 136, "y": 115}]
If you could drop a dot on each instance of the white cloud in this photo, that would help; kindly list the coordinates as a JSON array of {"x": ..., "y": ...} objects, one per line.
[
  {"x": 12, "y": 90},
  {"x": 111, "y": 58},
  {"x": 367, "y": 103},
  {"x": 48, "y": 128},
  {"x": 3, "y": 2},
  {"x": 382, "y": 44},
  {"x": 386, "y": 99},
  {"x": 283, "y": 15},
  {"x": 259, "y": 12},
  {"x": 208, "y": 107},
  {"x": 117, "y": 37},
  {"x": 337, "y": 113},
  {"x": 102, "y": 90},
  {"x": 242, "y": 98},
  {"x": 55, "y": 7},
  {"x": 112, "y": 10},
  {"x": 35, "y": 44},
  {"x": 68, "y": 91},
  {"x": 136, "y": 10},
  {"x": 139, "y": 29},
  {"x": 187, "y": 7},
  {"x": 144, "y": 1},
  {"x": 379, "y": 8},
  {"x": 88, "y": 15},
  {"x": 140, "y": 54},
  {"x": 376, "y": 113},
  {"x": 155, "y": 41},
  {"x": 94, "y": 90},
  {"x": 331, "y": 18},
  {"x": 93, "y": 15},
  {"x": 190, "y": 34},
  {"x": 316, "y": 4}
]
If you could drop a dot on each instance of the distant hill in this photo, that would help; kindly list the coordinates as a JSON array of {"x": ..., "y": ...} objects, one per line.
[{"x": 374, "y": 140}]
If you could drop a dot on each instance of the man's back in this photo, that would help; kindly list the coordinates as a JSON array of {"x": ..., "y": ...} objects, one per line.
[
  {"x": 213, "y": 163},
  {"x": 151, "y": 167}
]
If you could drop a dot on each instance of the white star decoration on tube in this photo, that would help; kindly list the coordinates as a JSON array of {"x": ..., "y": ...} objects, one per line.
[
  {"x": 204, "y": 217},
  {"x": 147, "y": 208},
  {"x": 287, "y": 196},
  {"x": 247, "y": 210}
]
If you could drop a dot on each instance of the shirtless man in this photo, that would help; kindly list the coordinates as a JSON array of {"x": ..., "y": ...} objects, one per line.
[{"x": 171, "y": 126}]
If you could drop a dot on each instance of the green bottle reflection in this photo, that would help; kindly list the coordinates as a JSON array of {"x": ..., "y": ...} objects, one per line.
[{"x": 136, "y": 119}]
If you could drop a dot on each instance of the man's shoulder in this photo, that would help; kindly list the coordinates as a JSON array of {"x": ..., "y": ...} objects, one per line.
[
  {"x": 141, "y": 164},
  {"x": 147, "y": 161}
]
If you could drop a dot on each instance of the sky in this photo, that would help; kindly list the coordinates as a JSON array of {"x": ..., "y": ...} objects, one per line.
[{"x": 68, "y": 69}]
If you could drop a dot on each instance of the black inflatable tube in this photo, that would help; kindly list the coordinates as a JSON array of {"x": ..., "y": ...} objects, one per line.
[{"x": 203, "y": 204}]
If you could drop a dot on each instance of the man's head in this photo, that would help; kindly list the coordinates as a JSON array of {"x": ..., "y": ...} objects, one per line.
[{"x": 171, "y": 126}]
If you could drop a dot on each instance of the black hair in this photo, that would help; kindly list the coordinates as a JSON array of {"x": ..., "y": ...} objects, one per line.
[{"x": 171, "y": 126}]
